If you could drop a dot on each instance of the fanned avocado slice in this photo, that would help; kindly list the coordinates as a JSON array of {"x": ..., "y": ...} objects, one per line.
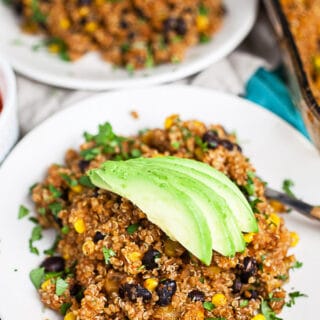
[
  {"x": 166, "y": 206},
  {"x": 225, "y": 233},
  {"x": 190, "y": 201},
  {"x": 221, "y": 184}
]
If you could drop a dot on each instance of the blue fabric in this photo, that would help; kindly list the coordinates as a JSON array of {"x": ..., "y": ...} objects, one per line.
[{"x": 268, "y": 89}]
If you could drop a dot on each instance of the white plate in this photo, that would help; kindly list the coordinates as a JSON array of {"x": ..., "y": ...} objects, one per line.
[
  {"x": 91, "y": 73},
  {"x": 277, "y": 151}
]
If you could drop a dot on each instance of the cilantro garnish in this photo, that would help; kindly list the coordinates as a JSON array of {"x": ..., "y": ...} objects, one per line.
[
  {"x": 108, "y": 253},
  {"x": 133, "y": 228},
  {"x": 51, "y": 251},
  {"x": 286, "y": 187},
  {"x": 23, "y": 211},
  {"x": 65, "y": 307},
  {"x": 135, "y": 153},
  {"x": 208, "y": 305},
  {"x": 70, "y": 181},
  {"x": 54, "y": 191},
  {"x": 244, "y": 303},
  {"x": 36, "y": 235},
  {"x": 249, "y": 186},
  {"x": 55, "y": 208},
  {"x": 203, "y": 38},
  {"x": 268, "y": 312},
  {"x": 282, "y": 277},
  {"x": 297, "y": 265},
  {"x": 63, "y": 48},
  {"x": 203, "y": 10},
  {"x": 90, "y": 154},
  {"x": 65, "y": 230},
  {"x": 175, "y": 144},
  {"x": 61, "y": 286},
  {"x": 42, "y": 211},
  {"x": 85, "y": 181},
  {"x": 37, "y": 15},
  {"x": 293, "y": 296},
  {"x": 36, "y": 276},
  {"x": 200, "y": 143}
]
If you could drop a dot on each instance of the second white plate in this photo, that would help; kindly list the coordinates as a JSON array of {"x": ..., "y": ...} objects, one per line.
[{"x": 92, "y": 73}]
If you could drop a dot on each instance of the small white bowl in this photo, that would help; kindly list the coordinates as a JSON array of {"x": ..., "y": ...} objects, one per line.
[{"x": 9, "y": 127}]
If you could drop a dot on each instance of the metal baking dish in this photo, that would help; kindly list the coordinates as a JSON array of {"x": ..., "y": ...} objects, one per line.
[{"x": 297, "y": 78}]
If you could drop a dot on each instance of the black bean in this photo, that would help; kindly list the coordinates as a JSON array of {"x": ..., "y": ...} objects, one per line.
[
  {"x": 98, "y": 236},
  {"x": 181, "y": 27},
  {"x": 149, "y": 257},
  {"x": 134, "y": 291},
  {"x": 227, "y": 144},
  {"x": 237, "y": 285},
  {"x": 124, "y": 24},
  {"x": 165, "y": 290},
  {"x": 18, "y": 7},
  {"x": 169, "y": 24},
  {"x": 196, "y": 295},
  {"x": 254, "y": 294},
  {"x": 211, "y": 139},
  {"x": 83, "y": 164},
  {"x": 249, "y": 269},
  {"x": 58, "y": 221},
  {"x": 77, "y": 292},
  {"x": 53, "y": 264},
  {"x": 238, "y": 148},
  {"x": 84, "y": 2},
  {"x": 250, "y": 294}
]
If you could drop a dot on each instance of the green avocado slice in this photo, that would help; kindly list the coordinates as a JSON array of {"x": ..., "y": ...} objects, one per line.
[
  {"x": 225, "y": 232},
  {"x": 172, "y": 210},
  {"x": 221, "y": 184}
]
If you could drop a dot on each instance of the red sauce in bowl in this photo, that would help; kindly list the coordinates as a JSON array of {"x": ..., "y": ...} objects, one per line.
[{"x": 1, "y": 106}]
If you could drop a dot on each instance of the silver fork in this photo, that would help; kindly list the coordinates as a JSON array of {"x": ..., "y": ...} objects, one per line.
[{"x": 312, "y": 212}]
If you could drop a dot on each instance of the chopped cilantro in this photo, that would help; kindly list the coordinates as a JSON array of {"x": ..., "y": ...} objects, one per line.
[
  {"x": 175, "y": 144},
  {"x": 61, "y": 286},
  {"x": 36, "y": 276},
  {"x": 253, "y": 201},
  {"x": 297, "y": 265},
  {"x": 130, "y": 68},
  {"x": 268, "y": 312},
  {"x": 135, "y": 153},
  {"x": 52, "y": 275},
  {"x": 249, "y": 186},
  {"x": 70, "y": 181},
  {"x": 108, "y": 253},
  {"x": 202, "y": 279},
  {"x": 133, "y": 228},
  {"x": 65, "y": 307},
  {"x": 86, "y": 182},
  {"x": 293, "y": 296},
  {"x": 90, "y": 154},
  {"x": 33, "y": 220},
  {"x": 63, "y": 48},
  {"x": 37, "y": 15},
  {"x": 32, "y": 248},
  {"x": 203, "y": 38},
  {"x": 201, "y": 144},
  {"x": 51, "y": 251},
  {"x": 244, "y": 303},
  {"x": 65, "y": 229},
  {"x": 55, "y": 208},
  {"x": 54, "y": 191},
  {"x": 36, "y": 233},
  {"x": 203, "y": 10},
  {"x": 149, "y": 61},
  {"x": 282, "y": 277},
  {"x": 23, "y": 211},
  {"x": 42, "y": 211},
  {"x": 208, "y": 305},
  {"x": 286, "y": 187}
]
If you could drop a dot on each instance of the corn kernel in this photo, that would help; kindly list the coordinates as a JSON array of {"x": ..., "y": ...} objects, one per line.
[
  {"x": 248, "y": 237},
  {"x": 151, "y": 283},
  {"x": 274, "y": 219},
  {"x": 64, "y": 24},
  {"x": 45, "y": 285},
  {"x": 213, "y": 270},
  {"x": 77, "y": 189},
  {"x": 316, "y": 62},
  {"x": 219, "y": 300},
  {"x": 294, "y": 239},
  {"x": 198, "y": 153},
  {"x": 54, "y": 48},
  {"x": 83, "y": 11},
  {"x": 79, "y": 226},
  {"x": 91, "y": 26},
  {"x": 202, "y": 23},
  {"x": 168, "y": 123},
  {"x": 259, "y": 317},
  {"x": 88, "y": 247},
  {"x": 134, "y": 256},
  {"x": 277, "y": 206},
  {"x": 69, "y": 316}
]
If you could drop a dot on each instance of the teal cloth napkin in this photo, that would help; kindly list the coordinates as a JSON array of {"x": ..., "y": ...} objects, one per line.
[{"x": 268, "y": 89}]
